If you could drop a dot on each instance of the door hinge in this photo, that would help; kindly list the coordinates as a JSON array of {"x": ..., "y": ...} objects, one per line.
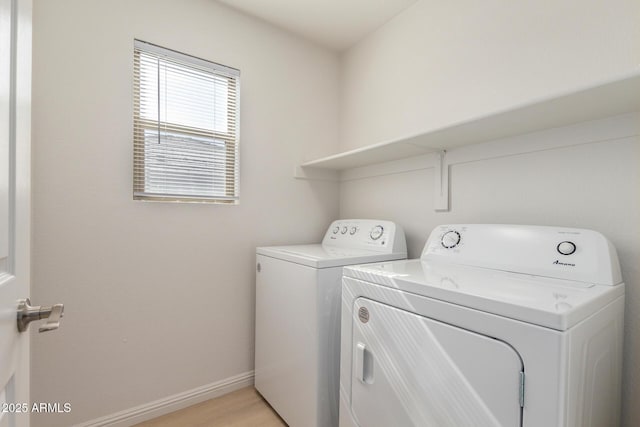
[{"x": 522, "y": 389}]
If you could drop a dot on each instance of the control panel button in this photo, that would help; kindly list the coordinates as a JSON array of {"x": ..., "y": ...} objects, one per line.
[
  {"x": 376, "y": 232},
  {"x": 450, "y": 239},
  {"x": 336, "y": 229},
  {"x": 566, "y": 248},
  {"x": 353, "y": 230},
  {"x": 344, "y": 230}
]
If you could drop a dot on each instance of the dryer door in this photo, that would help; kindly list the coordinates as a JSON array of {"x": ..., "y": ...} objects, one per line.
[{"x": 410, "y": 370}]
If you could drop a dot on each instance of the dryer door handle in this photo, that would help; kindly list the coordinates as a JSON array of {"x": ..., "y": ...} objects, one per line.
[{"x": 363, "y": 368}]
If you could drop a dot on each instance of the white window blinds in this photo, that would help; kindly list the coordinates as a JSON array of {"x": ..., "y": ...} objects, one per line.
[{"x": 185, "y": 123}]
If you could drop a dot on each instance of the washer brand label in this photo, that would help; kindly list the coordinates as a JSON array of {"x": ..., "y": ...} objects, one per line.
[
  {"x": 363, "y": 314},
  {"x": 557, "y": 262}
]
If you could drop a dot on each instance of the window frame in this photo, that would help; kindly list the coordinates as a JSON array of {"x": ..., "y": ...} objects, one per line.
[{"x": 231, "y": 138}]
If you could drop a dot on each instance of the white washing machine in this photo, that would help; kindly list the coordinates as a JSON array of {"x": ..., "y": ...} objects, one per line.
[
  {"x": 297, "y": 360},
  {"x": 495, "y": 325}
]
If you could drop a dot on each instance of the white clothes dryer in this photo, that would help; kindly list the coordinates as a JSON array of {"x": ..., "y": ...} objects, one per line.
[
  {"x": 297, "y": 354},
  {"x": 495, "y": 325}
]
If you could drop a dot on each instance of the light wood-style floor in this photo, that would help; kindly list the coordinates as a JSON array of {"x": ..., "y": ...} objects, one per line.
[{"x": 242, "y": 408}]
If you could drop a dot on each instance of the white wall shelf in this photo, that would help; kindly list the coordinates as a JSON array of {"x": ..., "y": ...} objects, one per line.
[
  {"x": 603, "y": 100},
  {"x": 607, "y": 99}
]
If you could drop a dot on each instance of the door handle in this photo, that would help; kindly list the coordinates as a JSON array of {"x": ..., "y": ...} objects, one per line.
[
  {"x": 364, "y": 364},
  {"x": 359, "y": 368},
  {"x": 28, "y": 313}
]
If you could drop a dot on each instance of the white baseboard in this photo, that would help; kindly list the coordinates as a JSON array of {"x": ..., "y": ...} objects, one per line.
[{"x": 154, "y": 409}]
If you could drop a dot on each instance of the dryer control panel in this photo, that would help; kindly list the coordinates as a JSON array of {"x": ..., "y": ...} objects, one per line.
[
  {"x": 372, "y": 234},
  {"x": 558, "y": 252}
]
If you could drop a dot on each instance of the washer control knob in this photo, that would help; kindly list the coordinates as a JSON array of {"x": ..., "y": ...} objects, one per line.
[
  {"x": 450, "y": 239},
  {"x": 376, "y": 232},
  {"x": 566, "y": 248},
  {"x": 344, "y": 229},
  {"x": 336, "y": 229},
  {"x": 353, "y": 230}
]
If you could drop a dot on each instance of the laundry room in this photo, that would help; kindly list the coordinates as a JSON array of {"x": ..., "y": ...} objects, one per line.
[{"x": 176, "y": 170}]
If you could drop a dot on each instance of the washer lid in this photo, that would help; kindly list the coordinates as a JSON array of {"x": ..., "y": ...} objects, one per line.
[
  {"x": 552, "y": 303},
  {"x": 323, "y": 256}
]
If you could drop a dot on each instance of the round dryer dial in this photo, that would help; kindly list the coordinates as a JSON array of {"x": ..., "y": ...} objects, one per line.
[
  {"x": 450, "y": 239},
  {"x": 376, "y": 232},
  {"x": 336, "y": 229},
  {"x": 344, "y": 230},
  {"x": 566, "y": 248},
  {"x": 353, "y": 230}
]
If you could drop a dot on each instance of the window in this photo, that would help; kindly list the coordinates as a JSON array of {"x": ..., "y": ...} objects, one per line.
[{"x": 185, "y": 127}]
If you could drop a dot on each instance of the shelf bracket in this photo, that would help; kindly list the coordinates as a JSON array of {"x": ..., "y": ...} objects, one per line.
[{"x": 441, "y": 182}]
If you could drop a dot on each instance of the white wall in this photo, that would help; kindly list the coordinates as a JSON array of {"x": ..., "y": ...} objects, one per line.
[
  {"x": 442, "y": 62},
  {"x": 159, "y": 297}
]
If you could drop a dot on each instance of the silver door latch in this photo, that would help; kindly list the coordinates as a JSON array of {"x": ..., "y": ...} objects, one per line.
[{"x": 28, "y": 313}]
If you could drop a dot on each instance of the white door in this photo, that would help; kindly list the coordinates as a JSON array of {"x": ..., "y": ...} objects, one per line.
[
  {"x": 15, "y": 124},
  {"x": 409, "y": 370}
]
